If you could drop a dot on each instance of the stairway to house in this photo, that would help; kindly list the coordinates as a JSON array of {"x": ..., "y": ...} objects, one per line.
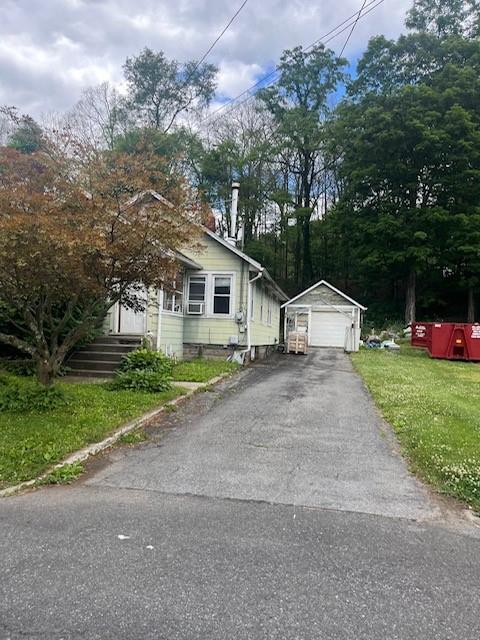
[{"x": 102, "y": 357}]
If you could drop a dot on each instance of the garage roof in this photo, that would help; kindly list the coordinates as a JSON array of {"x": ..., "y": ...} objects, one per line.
[{"x": 330, "y": 286}]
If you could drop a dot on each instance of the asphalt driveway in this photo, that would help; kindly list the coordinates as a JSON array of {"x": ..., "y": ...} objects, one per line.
[
  {"x": 274, "y": 507},
  {"x": 296, "y": 431}
]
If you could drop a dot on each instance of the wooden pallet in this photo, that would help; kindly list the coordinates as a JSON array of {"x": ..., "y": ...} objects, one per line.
[{"x": 297, "y": 342}]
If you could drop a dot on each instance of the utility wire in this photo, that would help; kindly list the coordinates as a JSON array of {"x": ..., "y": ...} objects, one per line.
[
  {"x": 334, "y": 33},
  {"x": 352, "y": 29},
  {"x": 225, "y": 29}
]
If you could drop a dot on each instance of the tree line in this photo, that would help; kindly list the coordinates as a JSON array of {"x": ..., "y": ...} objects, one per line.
[{"x": 370, "y": 180}]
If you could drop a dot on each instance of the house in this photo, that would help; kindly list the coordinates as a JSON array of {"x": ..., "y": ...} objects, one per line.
[
  {"x": 328, "y": 316},
  {"x": 222, "y": 303}
]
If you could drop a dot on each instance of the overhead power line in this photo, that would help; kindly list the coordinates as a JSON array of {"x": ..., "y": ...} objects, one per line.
[
  {"x": 353, "y": 28},
  {"x": 220, "y": 36},
  {"x": 350, "y": 23}
]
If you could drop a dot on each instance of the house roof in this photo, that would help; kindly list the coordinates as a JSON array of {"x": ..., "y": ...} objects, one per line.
[
  {"x": 253, "y": 263},
  {"x": 186, "y": 261},
  {"x": 330, "y": 286},
  {"x": 149, "y": 192}
]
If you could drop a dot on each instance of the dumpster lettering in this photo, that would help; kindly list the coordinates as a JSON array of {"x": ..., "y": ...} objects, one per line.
[{"x": 476, "y": 332}]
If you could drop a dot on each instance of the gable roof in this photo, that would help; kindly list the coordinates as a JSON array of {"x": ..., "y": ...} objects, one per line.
[
  {"x": 330, "y": 286},
  {"x": 253, "y": 263},
  {"x": 143, "y": 196}
]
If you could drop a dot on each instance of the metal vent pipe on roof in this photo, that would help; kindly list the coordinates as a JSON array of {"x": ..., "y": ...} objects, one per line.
[{"x": 233, "y": 214}]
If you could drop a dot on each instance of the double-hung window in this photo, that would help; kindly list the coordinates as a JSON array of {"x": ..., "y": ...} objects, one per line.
[
  {"x": 210, "y": 294},
  {"x": 173, "y": 298},
  {"x": 197, "y": 286},
  {"x": 222, "y": 291}
]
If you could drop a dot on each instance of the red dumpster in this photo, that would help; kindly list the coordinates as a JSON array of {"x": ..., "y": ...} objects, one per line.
[
  {"x": 421, "y": 334},
  {"x": 455, "y": 341}
]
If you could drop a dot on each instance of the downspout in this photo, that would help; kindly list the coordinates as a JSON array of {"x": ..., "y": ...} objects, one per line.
[
  {"x": 159, "y": 323},
  {"x": 249, "y": 302}
]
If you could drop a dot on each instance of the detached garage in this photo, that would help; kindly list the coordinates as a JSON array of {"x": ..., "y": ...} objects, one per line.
[{"x": 328, "y": 316}]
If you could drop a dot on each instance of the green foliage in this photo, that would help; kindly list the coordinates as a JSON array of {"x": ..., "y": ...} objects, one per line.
[
  {"x": 202, "y": 370},
  {"x": 445, "y": 17},
  {"x": 161, "y": 89},
  {"x": 147, "y": 359},
  {"x": 65, "y": 474},
  {"x": 434, "y": 407},
  {"x": 21, "y": 395},
  {"x": 142, "y": 380},
  {"x": 133, "y": 437},
  {"x": 32, "y": 441},
  {"x": 18, "y": 367},
  {"x": 27, "y": 136}
]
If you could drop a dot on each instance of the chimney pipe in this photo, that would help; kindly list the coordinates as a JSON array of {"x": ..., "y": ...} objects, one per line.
[{"x": 233, "y": 213}]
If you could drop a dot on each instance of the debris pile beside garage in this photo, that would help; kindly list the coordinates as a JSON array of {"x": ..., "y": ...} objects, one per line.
[{"x": 326, "y": 316}]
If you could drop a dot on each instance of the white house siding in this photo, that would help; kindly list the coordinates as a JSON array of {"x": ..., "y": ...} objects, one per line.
[
  {"x": 172, "y": 335},
  {"x": 215, "y": 330},
  {"x": 262, "y": 331}
]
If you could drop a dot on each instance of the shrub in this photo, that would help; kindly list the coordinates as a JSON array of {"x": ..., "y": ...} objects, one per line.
[
  {"x": 19, "y": 367},
  {"x": 28, "y": 395},
  {"x": 142, "y": 380},
  {"x": 147, "y": 360}
]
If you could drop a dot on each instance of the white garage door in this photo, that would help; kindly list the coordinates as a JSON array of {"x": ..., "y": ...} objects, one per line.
[{"x": 328, "y": 328}]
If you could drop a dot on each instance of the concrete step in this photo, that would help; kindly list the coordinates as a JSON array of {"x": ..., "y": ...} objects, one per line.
[
  {"x": 109, "y": 347},
  {"x": 90, "y": 354},
  {"x": 118, "y": 338},
  {"x": 93, "y": 365}
]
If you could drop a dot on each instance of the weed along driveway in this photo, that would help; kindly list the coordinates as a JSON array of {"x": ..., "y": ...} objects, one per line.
[{"x": 273, "y": 506}]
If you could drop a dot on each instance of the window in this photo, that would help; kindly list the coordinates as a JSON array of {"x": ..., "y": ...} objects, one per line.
[
  {"x": 222, "y": 287},
  {"x": 173, "y": 299},
  {"x": 196, "y": 294},
  {"x": 261, "y": 306},
  {"x": 269, "y": 310}
]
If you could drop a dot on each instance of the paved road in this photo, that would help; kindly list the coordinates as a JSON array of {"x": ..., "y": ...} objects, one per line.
[{"x": 274, "y": 508}]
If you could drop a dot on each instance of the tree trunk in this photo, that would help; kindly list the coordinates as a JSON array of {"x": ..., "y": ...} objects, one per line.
[
  {"x": 46, "y": 372},
  {"x": 411, "y": 297},
  {"x": 307, "y": 254},
  {"x": 471, "y": 305}
]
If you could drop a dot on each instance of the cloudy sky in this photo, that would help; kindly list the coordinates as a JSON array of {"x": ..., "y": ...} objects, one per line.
[{"x": 51, "y": 49}]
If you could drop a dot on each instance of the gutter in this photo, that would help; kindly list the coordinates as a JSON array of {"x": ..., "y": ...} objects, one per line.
[{"x": 249, "y": 302}]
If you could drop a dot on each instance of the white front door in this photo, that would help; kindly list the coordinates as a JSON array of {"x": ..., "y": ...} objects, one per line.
[
  {"x": 130, "y": 321},
  {"x": 328, "y": 328}
]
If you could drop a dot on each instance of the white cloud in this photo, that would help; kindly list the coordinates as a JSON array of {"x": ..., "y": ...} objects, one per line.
[{"x": 51, "y": 50}]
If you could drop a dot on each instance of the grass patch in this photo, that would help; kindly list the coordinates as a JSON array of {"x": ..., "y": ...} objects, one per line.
[
  {"x": 434, "y": 407},
  {"x": 31, "y": 441},
  {"x": 202, "y": 370}
]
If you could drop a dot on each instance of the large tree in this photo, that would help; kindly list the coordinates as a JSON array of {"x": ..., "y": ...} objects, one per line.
[
  {"x": 79, "y": 232},
  {"x": 160, "y": 90},
  {"x": 298, "y": 102},
  {"x": 412, "y": 170},
  {"x": 445, "y": 18}
]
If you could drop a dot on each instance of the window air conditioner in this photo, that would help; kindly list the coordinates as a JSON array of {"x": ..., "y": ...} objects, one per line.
[{"x": 196, "y": 308}]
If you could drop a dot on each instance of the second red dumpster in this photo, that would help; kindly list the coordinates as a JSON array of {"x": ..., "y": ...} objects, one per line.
[{"x": 455, "y": 341}]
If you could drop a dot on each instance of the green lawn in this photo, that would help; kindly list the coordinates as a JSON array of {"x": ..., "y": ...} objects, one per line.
[
  {"x": 202, "y": 370},
  {"x": 434, "y": 407},
  {"x": 32, "y": 441}
]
